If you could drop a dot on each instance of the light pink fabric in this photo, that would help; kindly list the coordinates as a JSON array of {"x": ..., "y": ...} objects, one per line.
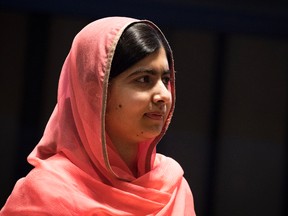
[{"x": 77, "y": 171}]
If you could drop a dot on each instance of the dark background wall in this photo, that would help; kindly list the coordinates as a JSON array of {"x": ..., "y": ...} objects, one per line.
[{"x": 230, "y": 126}]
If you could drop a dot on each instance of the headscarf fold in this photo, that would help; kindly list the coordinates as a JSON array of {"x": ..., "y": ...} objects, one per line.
[{"x": 77, "y": 170}]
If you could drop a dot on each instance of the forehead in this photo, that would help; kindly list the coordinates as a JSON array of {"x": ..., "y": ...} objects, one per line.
[{"x": 153, "y": 63}]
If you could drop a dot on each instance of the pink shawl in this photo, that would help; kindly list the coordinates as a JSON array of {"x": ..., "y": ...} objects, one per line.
[{"x": 77, "y": 172}]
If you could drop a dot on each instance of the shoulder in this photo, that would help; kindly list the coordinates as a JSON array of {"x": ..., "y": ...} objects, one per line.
[
  {"x": 166, "y": 161},
  {"x": 41, "y": 192},
  {"x": 174, "y": 175}
]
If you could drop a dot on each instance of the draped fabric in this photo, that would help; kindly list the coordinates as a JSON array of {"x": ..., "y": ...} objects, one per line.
[{"x": 77, "y": 171}]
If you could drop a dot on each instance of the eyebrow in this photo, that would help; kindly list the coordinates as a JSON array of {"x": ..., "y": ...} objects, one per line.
[{"x": 149, "y": 71}]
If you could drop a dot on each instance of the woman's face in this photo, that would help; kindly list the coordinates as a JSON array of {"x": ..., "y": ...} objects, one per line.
[{"x": 139, "y": 100}]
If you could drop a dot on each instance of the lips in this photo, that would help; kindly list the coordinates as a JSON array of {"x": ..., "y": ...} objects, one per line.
[{"x": 155, "y": 115}]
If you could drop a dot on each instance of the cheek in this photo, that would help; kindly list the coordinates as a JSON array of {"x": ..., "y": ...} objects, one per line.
[
  {"x": 134, "y": 100},
  {"x": 117, "y": 106},
  {"x": 113, "y": 101},
  {"x": 170, "y": 101},
  {"x": 169, "y": 104},
  {"x": 126, "y": 103},
  {"x": 114, "y": 108}
]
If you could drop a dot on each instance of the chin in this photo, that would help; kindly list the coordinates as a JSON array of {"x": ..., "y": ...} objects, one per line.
[{"x": 151, "y": 134}]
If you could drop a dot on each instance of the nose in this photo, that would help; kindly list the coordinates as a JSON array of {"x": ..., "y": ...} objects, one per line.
[{"x": 162, "y": 94}]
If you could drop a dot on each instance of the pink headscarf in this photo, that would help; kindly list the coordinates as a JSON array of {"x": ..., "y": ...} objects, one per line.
[{"x": 77, "y": 171}]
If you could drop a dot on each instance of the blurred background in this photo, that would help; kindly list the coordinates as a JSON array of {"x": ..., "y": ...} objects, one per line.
[{"x": 230, "y": 126}]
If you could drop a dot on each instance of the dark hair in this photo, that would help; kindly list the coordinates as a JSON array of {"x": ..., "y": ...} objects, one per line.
[{"x": 137, "y": 41}]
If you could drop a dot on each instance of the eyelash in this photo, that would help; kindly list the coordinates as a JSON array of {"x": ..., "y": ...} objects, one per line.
[
  {"x": 166, "y": 80},
  {"x": 143, "y": 79},
  {"x": 146, "y": 79}
]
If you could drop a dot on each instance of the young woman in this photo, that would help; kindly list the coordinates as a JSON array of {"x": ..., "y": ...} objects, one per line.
[{"x": 98, "y": 152}]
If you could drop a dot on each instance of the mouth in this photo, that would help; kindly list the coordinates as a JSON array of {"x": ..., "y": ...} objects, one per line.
[{"x": 155, "y": 116}]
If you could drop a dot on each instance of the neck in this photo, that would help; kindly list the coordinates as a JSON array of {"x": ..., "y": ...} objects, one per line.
[{"x": 128, "y": 152}]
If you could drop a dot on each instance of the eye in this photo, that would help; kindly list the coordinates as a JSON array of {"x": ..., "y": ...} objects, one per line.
[
  {"x": 144, "y": 79},
  {"x": 166, "y": 80}
]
